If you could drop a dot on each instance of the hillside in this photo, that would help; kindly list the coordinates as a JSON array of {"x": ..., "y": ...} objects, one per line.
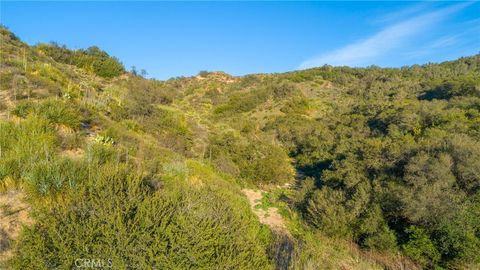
[{"x": 325, "y": 168}]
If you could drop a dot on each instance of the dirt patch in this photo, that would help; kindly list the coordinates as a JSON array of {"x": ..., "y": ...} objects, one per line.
[
  {"x": 5, "y": 104},
  {"x": 76, "y": 153},
  {"x": 270, "y": 216},
  {"x": 14, "y": 213}
]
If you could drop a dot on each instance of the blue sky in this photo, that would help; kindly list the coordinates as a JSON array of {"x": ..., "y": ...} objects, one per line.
[{"x": 181, "y": 38}]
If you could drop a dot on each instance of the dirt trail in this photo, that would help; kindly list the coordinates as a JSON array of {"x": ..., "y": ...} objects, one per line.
[
  {"x": 4, "y": 102},
  {"x": 270, "y": 217},
  {"x": 14, "y": 213}
]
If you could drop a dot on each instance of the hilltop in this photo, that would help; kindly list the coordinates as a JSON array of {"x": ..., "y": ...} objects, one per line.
[{"x": 361, "y": 168}]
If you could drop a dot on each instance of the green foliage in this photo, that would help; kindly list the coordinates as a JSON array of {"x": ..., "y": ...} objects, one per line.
[
  {"x": 325, "y": 211},
  {"x": 56, "y": 111},
  {"x": 456, "y": 235},
  {"x": 52, "y": 176},
  {"x": 92, "y": 59},
  {"x": 28, "y": 156},
  {"x": 172, "y": 129},
  {"x": 430, "y": 183},
  {"x": 373, "y": 232},
  {"x": 466, "y": 156},
  {"x": 421, "y": 248},
  {"x": 104, "y": 140},
  {"x": 386, "y": 158},
  {"x": 25, "y": 144},
  {"x": 101, "y": 153},
  {"x": 281, "y": 89},
  {"x": 468, "y": 85},
  {"x": 309, "y": 142},
  {"x": 265, "y": 202},
  {"x": 297, "y": 105},
  {"x": 4, "y": 31},
  {"x": 117, "y": 217},
  {"x": 203, "y": 73},
  {"x": 258, "y": 163},
  {"x": 6, "y": 81}
]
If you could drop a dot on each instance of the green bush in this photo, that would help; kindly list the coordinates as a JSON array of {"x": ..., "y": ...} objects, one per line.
[
  {"x": 243, "y": 103},
  {"x": 373, "y": 232},
  {"x": 381, "y": 156},
  {"x": 56, "y": 111},
  {"x": 99, "y": 153},
  {"x": 297, "y": 105},
  {"x": 92, "y": 59},
  {"x": 326, "y": 211},
  {"x": 456, "y": 235},
  {"x": 6, "y": 80},
  {"x": 459, "y": 86},
  {"x": 54, "y": 175},
  {"x": 28, "y": 155},
  {"x": 258, "y": 163},
  {"x": 421, "y": 248},
  {"x": 24, "y": 144},
  {"x": 116, "y": 217}
]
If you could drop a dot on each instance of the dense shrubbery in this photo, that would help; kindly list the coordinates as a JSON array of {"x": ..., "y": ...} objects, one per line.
[
  {"x": 92, "y": 59},
  {"x": 243, "y": 103},
  {"x": 255, "y": 162},
  {"x": 118, "y": 217},
  {"x": 24, "y": 147},
  {"x": 386, "y": 158},
  {"x": 395, "y": 176},
  {"x": 56, "y": 111}
]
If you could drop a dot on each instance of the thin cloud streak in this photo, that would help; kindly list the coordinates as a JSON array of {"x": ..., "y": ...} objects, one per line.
[
  {"x": 472, "y": 28},
  {"x": 435, "y": 46},
  {"x": 365, "y": 52},
  {"x": 400, "y": 14}
]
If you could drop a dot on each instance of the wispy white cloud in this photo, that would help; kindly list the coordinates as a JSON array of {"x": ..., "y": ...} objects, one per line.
[
  {"x": 459, "y": 39},
  {"x": 434, "y": 46},
  {"x": 402, "y": 13},
  {"x": 365, "y": 52}
]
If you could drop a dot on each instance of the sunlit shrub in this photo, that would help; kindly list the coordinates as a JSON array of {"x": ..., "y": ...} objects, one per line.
[
  {"x": 117, "y": 217},
  {"x": 56, "y": 111}
]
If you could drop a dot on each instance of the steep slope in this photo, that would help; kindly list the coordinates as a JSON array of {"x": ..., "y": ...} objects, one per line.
[{"x": 369, "y": 168}]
